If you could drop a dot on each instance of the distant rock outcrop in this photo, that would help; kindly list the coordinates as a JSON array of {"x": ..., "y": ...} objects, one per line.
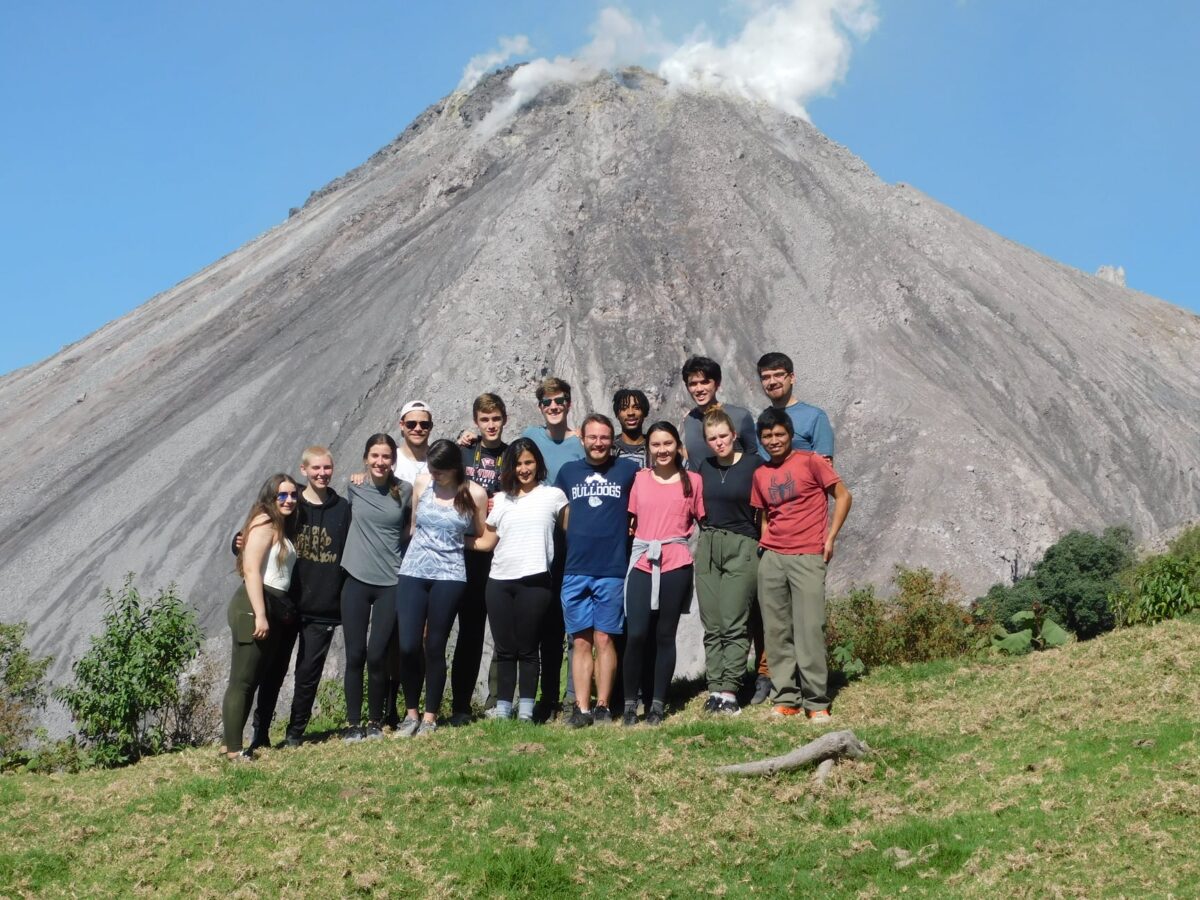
[
  {"x": 1112, "y": 274},
  {"x": 985, "y": 398}
]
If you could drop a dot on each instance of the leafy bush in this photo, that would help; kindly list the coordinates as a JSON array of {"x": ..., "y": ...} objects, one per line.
[
  {"x": 1078, "y": 573},
  {"x": 1158, "y": 588},
  {"x": 128, "y": 682},
  {"x": 1186, "y": 545},
  {"x": 1037, "y": 632},
  {"x": 1072, "y": 581},
  {"x": 194, "y": 719},
  {"x": 924, "y": 620},
  {"x": 22, "y": 690}
]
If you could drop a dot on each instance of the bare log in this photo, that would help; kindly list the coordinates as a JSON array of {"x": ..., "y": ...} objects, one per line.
[
  {"x": 829, "y": 746},
  {"x": 824, "y": 768}
]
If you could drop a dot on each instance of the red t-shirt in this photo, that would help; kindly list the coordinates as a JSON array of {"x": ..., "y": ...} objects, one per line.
[
  {"x": 793, "y": 494},
  {"x": 663, "y": 512}
]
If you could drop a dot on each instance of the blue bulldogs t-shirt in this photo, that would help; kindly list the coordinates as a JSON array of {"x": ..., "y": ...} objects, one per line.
[{"x": 598, "y": 522}]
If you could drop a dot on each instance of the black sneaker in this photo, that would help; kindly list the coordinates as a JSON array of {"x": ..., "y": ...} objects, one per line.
[
  {"x": 579, "y": 718},
  {"x": 459, "y": 719},
  {"x": 713, "y": 703},
  {"x": 353, "y": 734},
  {"x": 546, "y": 712},
  {"x": 372, "y": 733},
  {"x": 602, "y": 715},
  {"x": 630, "y": 717},
  {"x": 654, "y": 717},
  {"x": 762, "y": 690},
  {"x": 291, "y": 741}
]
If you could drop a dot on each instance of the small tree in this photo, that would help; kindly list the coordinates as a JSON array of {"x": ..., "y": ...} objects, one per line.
[
  {"x": 128, "y": 681},
  {"x": 22, "y": 689}
]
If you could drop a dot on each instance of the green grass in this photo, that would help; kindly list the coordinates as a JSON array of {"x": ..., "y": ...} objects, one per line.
[{"x": 1073, "y": 772}]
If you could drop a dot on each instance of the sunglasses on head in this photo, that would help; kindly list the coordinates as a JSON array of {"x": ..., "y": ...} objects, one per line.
[
  {"x": 547, "y": 402},
  {"x": 285, "y": 496},
  {"x": 417, "y": 426}
]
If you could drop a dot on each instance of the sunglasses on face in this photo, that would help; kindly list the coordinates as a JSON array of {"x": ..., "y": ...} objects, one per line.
[
  {"x": 547, "y": 402},
  {"x": 418, "y": 426},
  {"x": 285, "y": 496}
]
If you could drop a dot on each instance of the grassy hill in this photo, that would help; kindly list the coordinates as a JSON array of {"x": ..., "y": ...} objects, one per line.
[{"x": 1068, "y": 773}]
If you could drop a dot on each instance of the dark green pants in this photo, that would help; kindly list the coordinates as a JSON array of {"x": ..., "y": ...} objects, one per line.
[
  {"x": 726, "y": 582},
  {"x": 791, "y": 594},
  {"x": 247, "y": 664}
]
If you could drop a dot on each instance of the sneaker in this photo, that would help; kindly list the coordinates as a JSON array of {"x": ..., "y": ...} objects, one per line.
[
  {"x": 654, "y": 717},
  {"x": 630, "y": 717},
  {"x": 372, "y": 733},
  {"x": 407, "y": 728},
  {"x": 291, "y": 741},
  {"x": 762, "y": 690},
  {"x": 713, "y": 703},
  {"x": 494, "y": 714},
  {"x": 244, "y": 757},
  {"x": 546, "y": 712},
  {"x": 353, "y": 734},
  {"x": 426, "y": 727},
  {"x": 819, "y": 716},
  {"x": 602, "y": 715},
  {"x": 579, "y": 718},
  {"x": 728, "y": 707},
  {"x": 526, "y": 718},
  {"x": 782, "y": 710},
  {"x": 459, "y": 719}
]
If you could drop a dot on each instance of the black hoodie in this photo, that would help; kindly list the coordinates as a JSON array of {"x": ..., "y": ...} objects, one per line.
[{"x": 320, "y": 540}]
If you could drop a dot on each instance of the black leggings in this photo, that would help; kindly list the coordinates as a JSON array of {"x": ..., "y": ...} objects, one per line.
[
  {"x": 650, "y": 635},
  {"x": 362, "y": 605},
  {"x": 315, "y": 638},
  {"x": 516, "y": 610},
  {"x": 472, "y": 619},
  {"x": 425, "y": 608},
  {"x": 553, "y": 632}
]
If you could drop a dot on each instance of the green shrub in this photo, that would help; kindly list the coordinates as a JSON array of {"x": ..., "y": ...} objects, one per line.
[
  {"x": 22, "y": 690},
  {"x": 1158, "y": 588},
  {"x": 924, "y": 620},
  {"x": 127, "y": 684},
  {"x": 1186, "y": 545},
  {"x": 1077, "y": 574},
  {"x": 1036, "y": 632},
  {"x": 1072, "y": 582}
]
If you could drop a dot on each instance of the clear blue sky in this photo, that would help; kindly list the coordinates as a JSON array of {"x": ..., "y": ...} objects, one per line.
[{"x": 141, "y": 141}]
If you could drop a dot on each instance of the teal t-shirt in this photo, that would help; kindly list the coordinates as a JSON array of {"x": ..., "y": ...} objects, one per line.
[{"x": 555, "y": 453}]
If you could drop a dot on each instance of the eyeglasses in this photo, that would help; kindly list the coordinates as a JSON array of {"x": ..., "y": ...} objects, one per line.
[
  {"x": 547, "y": 402},
  {"x": 417, "y": 426},
  {"x": 285, "y": 496}
]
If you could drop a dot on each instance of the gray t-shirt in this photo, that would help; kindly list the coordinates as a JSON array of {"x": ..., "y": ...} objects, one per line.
[
  {"x": 378, "y": 524},
  {"x": 693, "y": 433}
]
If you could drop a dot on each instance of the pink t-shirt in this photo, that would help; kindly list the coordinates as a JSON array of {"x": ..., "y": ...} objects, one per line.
[
  {"x": 663, "y": 512},
  {"x": 793, "y": 495}
]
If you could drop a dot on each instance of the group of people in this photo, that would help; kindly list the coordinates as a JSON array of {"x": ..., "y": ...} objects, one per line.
[{"x": 600, "y": 533}]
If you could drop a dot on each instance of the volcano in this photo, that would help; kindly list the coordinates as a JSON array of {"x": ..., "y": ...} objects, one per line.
[{"x": 985, "y": 398}]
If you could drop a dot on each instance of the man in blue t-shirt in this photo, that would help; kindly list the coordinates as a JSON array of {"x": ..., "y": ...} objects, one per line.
[
  {"x": 593, "y": 587},
  {"x": 557, "y": 441},
  {"x": 812, "y": 429}
]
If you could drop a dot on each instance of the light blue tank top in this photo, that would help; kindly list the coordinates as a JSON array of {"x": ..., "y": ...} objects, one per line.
[{"x": 436, "y": 550}]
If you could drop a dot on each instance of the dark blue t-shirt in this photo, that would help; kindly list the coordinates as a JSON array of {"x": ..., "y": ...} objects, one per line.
[{"x": 598, "y": 522}]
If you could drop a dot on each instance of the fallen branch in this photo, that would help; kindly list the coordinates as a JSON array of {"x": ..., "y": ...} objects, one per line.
[
  {"x": 823, "y": 771},
  {"x": 826, "y": 748}
]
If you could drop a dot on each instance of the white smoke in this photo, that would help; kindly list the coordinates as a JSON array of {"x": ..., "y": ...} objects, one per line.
[
  {"x": 616, "y": 40},
  {"x": 786, "y": 54},
  {"x": 480, "y": 65}
]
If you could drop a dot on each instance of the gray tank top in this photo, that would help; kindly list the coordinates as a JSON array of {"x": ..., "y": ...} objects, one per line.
[{"x": 436, "y": 551}]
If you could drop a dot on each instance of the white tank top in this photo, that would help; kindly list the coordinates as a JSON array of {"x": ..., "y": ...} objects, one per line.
[{"x": 276, "y": 575}]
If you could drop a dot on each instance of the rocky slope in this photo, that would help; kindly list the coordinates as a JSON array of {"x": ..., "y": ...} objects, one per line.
[{"x": 985, "y": 398}]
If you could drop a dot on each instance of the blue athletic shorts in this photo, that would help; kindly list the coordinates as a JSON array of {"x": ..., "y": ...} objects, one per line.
[{"x": 597, "y": 603}]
